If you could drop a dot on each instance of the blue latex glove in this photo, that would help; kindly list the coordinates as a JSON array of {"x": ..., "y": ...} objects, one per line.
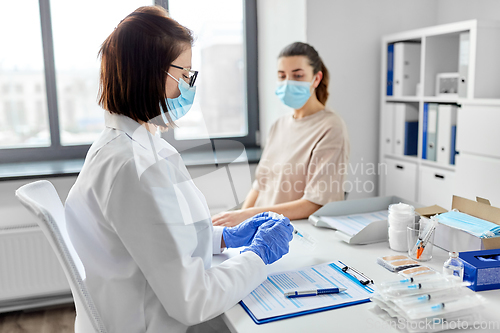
[
  {"x": 271, "y": 240},
  {"x": 242, "y": 234}
]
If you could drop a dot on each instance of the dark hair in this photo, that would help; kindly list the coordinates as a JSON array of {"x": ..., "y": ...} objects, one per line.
[
  {"x": 303, "y": 49},
  {"x": 134, "y": 61}
]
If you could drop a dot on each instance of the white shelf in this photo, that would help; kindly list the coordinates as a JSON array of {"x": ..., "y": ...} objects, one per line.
[
  {"x": 403, "y": 99},
  {"x": 405, "y": 158},
  {"x": 434, "y": 99},
  {"x": 434, "y": 164},
  {"x": 442, "y": 51}
]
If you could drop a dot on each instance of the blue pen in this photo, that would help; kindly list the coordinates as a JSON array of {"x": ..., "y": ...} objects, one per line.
[{"x": 314, "y": 292}]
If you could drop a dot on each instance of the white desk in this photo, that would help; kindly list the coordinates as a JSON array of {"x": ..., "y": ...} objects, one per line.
[{"x": 357, "y": 318}]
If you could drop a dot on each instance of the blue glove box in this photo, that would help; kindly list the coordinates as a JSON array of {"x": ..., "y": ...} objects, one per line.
[{"x": 482, "y": 269}]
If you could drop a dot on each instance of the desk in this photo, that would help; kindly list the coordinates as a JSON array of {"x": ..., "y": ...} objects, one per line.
[{"x": 358, "y": 318}]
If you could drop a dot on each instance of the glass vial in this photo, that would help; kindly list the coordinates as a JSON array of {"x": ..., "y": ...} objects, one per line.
[{"x": 454, "y": 266}]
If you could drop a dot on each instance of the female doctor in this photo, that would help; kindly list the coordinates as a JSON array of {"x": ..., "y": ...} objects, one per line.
[{"x": 139, "y": 224}]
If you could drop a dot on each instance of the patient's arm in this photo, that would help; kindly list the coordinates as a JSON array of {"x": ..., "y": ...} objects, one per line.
[
  {"x": 294, "y": 210},
  {"x": 250, "y": 199}
]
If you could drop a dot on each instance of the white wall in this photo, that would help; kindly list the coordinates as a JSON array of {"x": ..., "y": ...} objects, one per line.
[
  {"x": 280, "y": 22},
  {"x": 460, "y": 10},
  {"x": 347, "y": 36}
]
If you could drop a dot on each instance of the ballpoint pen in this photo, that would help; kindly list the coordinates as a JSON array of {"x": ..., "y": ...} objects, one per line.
[{"x": 314, "y": 292}]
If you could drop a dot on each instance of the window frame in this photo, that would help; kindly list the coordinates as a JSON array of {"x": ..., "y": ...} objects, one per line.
[{"x": 57, "y": 151}]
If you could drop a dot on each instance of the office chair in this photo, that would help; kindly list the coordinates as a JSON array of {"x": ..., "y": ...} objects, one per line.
[{"x": 42, "y": 199}]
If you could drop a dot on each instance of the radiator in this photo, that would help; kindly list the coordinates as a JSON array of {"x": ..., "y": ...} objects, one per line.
[{"x": 29, "y": 269}]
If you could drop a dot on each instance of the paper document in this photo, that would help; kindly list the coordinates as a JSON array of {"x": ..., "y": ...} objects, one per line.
[
  {"x": 268, "y": 299},
  {"x": 352, "y": 224}
]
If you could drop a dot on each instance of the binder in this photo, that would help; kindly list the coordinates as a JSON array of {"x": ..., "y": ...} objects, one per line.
[
  {"x": 447, "y": 117},
  {"x": 404, "y": 112},
  {"x": 411, "y": 138},
  {"x": 388, "y": 128},
  {"x": 432, "y": 122},
  {"x": 463, "y": 64},
  {"x": 424, "y": 131},
  {"x": 390, "y": 68},
  {"x": 406, "y": 69},
  {"x": 453, "y": 152},
  {"x": 339, "y": 268}
]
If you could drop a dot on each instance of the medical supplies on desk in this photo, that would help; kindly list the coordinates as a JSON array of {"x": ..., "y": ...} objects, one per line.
[
  {"x": 428, "y": 303},
  {"x": 475, "y": 226}
]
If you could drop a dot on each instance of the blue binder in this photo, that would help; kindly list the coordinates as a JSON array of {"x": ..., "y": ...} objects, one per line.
[
  {"x": 297, "y": 314},
  {"x": 452, "y": 145},
  {"x": 424, "y": 131},
  {"x": 390, "y": 68},
  {"x": 411, "y": 138}
]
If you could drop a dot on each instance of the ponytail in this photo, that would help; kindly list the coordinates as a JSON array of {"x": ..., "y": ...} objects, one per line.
[{"x": 322, "y": 88}]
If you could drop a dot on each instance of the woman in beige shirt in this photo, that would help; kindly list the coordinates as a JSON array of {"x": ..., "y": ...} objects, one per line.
[{"x": 304, "y": 164}]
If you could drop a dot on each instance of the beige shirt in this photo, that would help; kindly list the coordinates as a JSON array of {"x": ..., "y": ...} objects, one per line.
[{"x": 304, "y": 159}]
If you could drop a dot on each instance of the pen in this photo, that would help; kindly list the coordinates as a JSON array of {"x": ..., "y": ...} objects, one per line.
[{"x": 314, "y": 292}]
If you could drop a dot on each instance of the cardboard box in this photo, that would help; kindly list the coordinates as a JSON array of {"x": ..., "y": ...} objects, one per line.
[
  {"x": 451, "y": 239},
  {"x": 482, "y": 269}
]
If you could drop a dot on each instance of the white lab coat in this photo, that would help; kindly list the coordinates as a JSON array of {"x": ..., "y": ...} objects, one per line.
[{"x": 144, "y": 234}]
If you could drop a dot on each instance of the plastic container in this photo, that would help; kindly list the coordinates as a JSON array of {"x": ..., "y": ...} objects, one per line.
[
  {"x": 400, "y": 216},
  {"x": 454, "y": 266},
  {"x": 413, "y": 236}
]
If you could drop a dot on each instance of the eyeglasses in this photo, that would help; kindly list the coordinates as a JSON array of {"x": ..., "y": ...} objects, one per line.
[{"x": 192, "y": 74}]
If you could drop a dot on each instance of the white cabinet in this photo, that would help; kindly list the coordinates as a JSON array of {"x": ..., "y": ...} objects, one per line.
[
  {"x": 471, "y": 51},
  {"x": 479, "y": 130},
  {"x": 478, "y": 176},
  {"x": 401, "y": 179},
  {"x": 436, "y": 186}
]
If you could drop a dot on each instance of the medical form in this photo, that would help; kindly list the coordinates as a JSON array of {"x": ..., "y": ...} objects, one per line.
[
  {"x": 268, "y": 303},
  {"x": 354, "y": 223}
]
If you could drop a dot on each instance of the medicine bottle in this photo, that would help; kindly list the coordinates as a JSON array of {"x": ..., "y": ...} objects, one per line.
[{"x": 454, "y": 266}]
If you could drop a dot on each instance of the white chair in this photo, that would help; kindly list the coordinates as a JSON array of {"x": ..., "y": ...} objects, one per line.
[{"x": 42, "y": 199}]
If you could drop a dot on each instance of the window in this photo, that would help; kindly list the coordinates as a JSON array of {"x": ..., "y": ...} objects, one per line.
[
  {"x": 23, "y": 123},
  {"x": 49, "y": 76},
  {"x": 224, "y": 53}
]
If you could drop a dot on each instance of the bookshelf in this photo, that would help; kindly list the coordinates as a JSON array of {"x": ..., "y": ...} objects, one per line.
[{"x": 469, "y": 50}]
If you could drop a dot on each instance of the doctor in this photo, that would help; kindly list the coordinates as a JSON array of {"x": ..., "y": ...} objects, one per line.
[{"x": 139, "y": 224}]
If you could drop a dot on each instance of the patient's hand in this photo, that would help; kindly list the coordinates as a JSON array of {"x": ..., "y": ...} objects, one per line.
[{"x": 231, "y": 218}]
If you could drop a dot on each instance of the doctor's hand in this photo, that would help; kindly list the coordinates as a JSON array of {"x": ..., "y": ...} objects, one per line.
[
  {"x": 271, "y": 241},
  {"x": 231, "y": 218},
  {"x": 242, "y": 234}
]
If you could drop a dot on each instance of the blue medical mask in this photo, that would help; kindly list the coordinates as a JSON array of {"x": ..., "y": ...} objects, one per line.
[
  {"x": 473, "y": 225},
  {"x": 179, "y": 106},
  {"x": 294, "y": 93}
]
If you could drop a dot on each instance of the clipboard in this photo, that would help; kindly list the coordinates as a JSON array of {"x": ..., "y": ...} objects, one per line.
[{"x": 340, "y": 268}]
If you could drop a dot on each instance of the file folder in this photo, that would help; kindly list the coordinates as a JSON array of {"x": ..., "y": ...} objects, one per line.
[
  {"x": 432, "y": 128},
  {"x": 453, "y": 151},
  {"x": 388, "y": 128},
  {"x": 447, "y": 117},
  {"x": 424, "y": 130},
  {"x": 406, "y": 69},
  {"x": 411, "y": 138},
  {"x": 390, "y": 68},
  {"x": 463, "y": 64},
  {"x": 404, "y": 112}
]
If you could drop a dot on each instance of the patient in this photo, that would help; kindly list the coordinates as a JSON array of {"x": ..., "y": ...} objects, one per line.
[{"x": 304, "y": 163}]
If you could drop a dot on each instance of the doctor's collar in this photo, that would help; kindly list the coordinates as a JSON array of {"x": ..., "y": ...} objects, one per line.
[{"x": 137, "y": 133}]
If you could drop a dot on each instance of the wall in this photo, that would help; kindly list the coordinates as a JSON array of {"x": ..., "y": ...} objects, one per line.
[
  {"x": 347, "y": 36},
  {"x": 460, "y": 10},
  {"x": 280, "y": 22}
]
